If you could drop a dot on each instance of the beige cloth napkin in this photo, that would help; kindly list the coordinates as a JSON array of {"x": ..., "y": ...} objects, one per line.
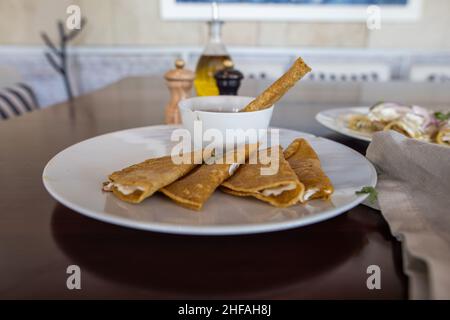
[{"x": 414, "y": 197}]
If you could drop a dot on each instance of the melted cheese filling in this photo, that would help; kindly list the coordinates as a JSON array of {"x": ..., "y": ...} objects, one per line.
[
  {"x": 233, "y": 168},
  {"x": 279, "y": 190},
  {"x": 309, "y": 193},
  {"x": 123, "y": 189}
]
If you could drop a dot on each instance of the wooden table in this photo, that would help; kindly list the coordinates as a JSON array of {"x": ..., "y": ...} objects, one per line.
[{"x": 40, "y": 238}]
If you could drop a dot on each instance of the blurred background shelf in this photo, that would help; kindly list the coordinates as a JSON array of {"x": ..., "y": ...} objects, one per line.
[
  {"x": 132, "y": 38},
  {"x": 95, "y": 67}
]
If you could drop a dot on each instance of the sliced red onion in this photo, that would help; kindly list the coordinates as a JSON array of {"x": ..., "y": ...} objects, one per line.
[{"x": 424, "y": 113}]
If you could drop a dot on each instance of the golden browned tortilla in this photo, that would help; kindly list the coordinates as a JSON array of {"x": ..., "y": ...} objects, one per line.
[
  {"x": 248, "y": 181},
  {"x": 306, "y": 164},
  {"x": 442, "y": 136},
  {"x": 140, "y": 181},
  {"x": 193, "y": 190},
  {"x": 277, "y": 89},
  {"x": 402, "y": 128}
]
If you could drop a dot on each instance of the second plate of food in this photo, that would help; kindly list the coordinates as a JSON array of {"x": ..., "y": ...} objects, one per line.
[
  {"x": 74, "y": 177},
  {"x": 337, "y": 120},
  {"x": 412, "y": 121}
]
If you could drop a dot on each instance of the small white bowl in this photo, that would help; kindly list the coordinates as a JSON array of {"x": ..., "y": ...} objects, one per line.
[{"x": 220, "y": 113}]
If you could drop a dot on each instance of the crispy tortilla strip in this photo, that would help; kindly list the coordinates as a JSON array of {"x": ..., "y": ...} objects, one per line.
[
  {"x": 282, "y": 189},
  {"x": 140, "y": 181},
  {"x": 193, "y": 190},
  {"x": 274, "y": 93},
  {"x": 306, "y": 164}
]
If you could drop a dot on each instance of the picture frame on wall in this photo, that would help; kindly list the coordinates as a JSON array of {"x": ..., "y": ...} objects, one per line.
[{"x": 292, "y": 10}]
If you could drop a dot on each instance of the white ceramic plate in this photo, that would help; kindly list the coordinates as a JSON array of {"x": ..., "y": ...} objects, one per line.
[
  {"x": 74, "y": 178},
  {"x": 334, "y": 119}
]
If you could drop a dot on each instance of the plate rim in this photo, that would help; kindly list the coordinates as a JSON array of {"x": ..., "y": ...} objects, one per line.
[
  {"x": 322, "y": 119},
  {"x": 205, "y": 230}
]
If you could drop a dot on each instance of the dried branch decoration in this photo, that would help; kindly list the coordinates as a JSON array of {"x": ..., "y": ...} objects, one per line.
[{"x": 57, "y": 57}]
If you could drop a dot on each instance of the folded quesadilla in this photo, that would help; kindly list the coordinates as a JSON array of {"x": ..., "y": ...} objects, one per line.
[
  {"x": 407, "y": 128},
  {"x": 281, "y": 189},
  {"x": 306, "y": 164},
  {"x": 140, "y": 181},
  {"x": 194, "y": 189}
]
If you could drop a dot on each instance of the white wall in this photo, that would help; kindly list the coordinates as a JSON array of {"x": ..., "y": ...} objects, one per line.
[{"x": 137, "y": 22}]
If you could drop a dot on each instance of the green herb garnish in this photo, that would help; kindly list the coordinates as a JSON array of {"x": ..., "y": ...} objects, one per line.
[
  {"x": 373, "y": 194},
  {"x": 442, "y": 116}
]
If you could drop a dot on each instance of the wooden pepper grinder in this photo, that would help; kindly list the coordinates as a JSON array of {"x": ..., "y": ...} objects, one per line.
[{"x": 179, "y": 81}]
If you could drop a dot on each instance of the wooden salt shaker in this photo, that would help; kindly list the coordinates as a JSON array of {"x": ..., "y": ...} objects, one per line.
[{"x": 179, "y": 81}]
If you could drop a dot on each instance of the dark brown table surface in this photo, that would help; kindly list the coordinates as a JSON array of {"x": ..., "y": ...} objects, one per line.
[{"x": 40, "y": 238}]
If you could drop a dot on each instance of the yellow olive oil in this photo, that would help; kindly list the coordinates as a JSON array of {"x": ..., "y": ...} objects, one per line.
[{"x": 207, "y": 66}]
